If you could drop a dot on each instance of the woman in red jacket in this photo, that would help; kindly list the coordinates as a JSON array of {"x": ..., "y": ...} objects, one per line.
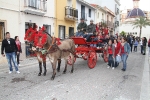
[
  {"x": 117, "y": 46},
  {"x": 110, "y": 52}
]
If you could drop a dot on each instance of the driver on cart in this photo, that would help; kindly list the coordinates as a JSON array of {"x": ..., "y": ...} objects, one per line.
[
  {"x": 81, "y": 27},
  {"x": 91, "y": 29}
]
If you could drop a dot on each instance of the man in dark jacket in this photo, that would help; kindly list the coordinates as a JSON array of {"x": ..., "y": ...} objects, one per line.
[
  {"x": 90, "y": 30},
  {"x": 81, "y": 26},
  {"x": 10, "y": 47}
]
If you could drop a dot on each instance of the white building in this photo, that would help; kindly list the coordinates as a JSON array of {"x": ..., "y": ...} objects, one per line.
[
  {"x": 15, "y": 17},
  {"x": 86, "y": 11},
  {"x": 114, "y": 6},
  {"x": 129, "y": 15}
]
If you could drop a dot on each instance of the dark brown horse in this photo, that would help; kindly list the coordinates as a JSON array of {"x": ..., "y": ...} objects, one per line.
[
  {"x": 29, "y": 39},
  {"x": 57, "y": 50}
]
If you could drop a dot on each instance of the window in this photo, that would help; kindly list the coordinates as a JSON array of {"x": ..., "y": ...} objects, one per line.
[
  {"x": 48, "y": 28},
  {"x": 2, "y": 31},
  {"x": 102, "y": 16},
  {"x": 89, "y": 12}
]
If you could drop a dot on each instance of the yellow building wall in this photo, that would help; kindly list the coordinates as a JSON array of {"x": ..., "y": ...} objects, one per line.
[{"x": 60, "y": 17}]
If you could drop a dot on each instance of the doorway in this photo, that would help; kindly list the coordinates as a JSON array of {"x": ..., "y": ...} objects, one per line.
[
  {"x": 71, "y": 31},
  {"x": 2, "y": 31},
  {"x": 61, "y": 32}
]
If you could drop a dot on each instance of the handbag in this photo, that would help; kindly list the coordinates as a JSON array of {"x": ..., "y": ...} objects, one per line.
[{"x": 118, "y": 58}]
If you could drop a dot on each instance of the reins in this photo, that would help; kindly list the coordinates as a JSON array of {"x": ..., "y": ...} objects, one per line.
[{"x": 53, "y": 40}]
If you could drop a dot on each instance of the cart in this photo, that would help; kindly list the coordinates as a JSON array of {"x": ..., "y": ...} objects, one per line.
[{"x": 88, "y": 51}]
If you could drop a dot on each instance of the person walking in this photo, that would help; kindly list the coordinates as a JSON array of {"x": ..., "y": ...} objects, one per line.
[
  {"x": 144, "y": 45},
  {"x": 117, "y": 46},
  {"x": 111, "y": 52},
  {"x": 141, "y": 43},
  {"x": 135, "y": 45},
  {"x": 18, "y": 43},
  {"x": 125, "y": 50},
  {"x": 10, "y": 48}
]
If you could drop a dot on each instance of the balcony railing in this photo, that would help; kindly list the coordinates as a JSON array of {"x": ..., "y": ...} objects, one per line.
[
  {"x": 110, "y": 24},
  {"x": 36, "y": 5},
  {"x": 71, "y": 13}
]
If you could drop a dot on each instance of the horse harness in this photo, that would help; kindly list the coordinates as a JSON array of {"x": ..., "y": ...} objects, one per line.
[{"x": 54, "y": 47}]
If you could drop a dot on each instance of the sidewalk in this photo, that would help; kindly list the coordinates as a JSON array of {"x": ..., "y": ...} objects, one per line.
[{"x": 145, "y": 88}]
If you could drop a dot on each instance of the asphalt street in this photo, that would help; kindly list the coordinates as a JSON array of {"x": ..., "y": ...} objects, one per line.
[{"x": 99, "y": 83}]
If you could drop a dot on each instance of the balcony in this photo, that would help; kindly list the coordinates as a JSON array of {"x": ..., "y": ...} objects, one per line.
[
  {"x": 110, "y": 24},
  {"x": 71, "y": 13},
  {"x": 38, "y": 7}
]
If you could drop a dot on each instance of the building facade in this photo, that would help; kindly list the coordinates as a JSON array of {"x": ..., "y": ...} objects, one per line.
[
  {"x": 16, "y": 16},
  {"x": 112, "y": 5},
  {"x": 129, "y": 15},
  {"x": 66, "y": 18},
  {"x": 86, "y": 11}
]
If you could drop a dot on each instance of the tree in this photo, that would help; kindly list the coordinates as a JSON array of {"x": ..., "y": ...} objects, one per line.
[
  {"x": 123, "y": 33},
  {"x": 140, "y": 23}
]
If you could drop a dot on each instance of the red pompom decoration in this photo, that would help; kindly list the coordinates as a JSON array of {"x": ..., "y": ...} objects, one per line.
[
  {"x": 40, "y": 39},
  {"x": 58, "y": 42},
  {"x": 30, "y": 34}
]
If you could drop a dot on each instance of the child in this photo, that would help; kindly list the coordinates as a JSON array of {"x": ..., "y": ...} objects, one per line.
[
  {"x": 135, "y": 45},
  {"x": 111, "y": 52}
]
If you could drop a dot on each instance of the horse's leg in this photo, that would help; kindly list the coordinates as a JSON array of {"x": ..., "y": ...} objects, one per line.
[
  {"x": 54, "y": 69},
  {"x": 40, "y": 68},
  {"x": 72, "y": 63},
  {"x": 64, "y": 72},
  {"x": 45, "y": 70},
  {"x": 59, "y": 63}
]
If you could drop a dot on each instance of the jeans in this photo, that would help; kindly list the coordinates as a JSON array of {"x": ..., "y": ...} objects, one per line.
[
  {"x": 144, "y": 49},
  {"x": 116, "y": 63},
  {"x": 131, "y": 45},
  {"x": 135, "y": 48},
  {"x": 78, "y": 34},
  {"x": 124, "y": 60},
  {"x": 141, "y": 49},
  {"x": 12, "y": 57},
  {"x": 111, "y": 60},
  {"x": 87, "y": 36},
  {"x": 18, "y": 56}
]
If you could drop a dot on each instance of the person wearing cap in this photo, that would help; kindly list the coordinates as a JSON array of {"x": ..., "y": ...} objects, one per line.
[
  {"x": 81, "y": 26},
  {"x": 90, "y": 30}
]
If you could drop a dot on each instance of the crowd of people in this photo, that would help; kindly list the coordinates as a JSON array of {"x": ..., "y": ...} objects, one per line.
[{"x": 118, "y": 47}]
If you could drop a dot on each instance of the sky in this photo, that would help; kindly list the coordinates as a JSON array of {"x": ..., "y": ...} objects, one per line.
[{"x": 128, "y": 4}]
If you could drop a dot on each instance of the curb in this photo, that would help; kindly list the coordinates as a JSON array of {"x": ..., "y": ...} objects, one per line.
[{"x": 145, "y": 88}]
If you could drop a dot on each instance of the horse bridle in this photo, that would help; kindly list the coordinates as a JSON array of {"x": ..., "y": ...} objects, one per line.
[{"x": 53, "y": 42}]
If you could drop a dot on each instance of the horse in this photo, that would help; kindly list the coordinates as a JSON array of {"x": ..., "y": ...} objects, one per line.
[
  {"x": 57, "y": 49},
  {"x": 29, "y": 38}
]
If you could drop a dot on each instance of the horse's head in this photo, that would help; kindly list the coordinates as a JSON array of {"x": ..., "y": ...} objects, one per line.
[
  {"x": 40, "y": 40},
  {"x": 29, "y": 36}
]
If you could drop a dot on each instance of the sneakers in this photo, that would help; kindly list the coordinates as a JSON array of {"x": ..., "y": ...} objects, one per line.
[
  {"x": 10, "y": 72},
  {"x": 123, "y": 69},
  {"x": 17, "y": 72},
  {"x": 108, "y": 67},
  {"x": 113, "y": 67},
  {"x": 19, "y": 65}
]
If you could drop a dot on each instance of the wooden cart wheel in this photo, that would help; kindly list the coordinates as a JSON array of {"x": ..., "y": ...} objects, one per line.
[
  {"x": 92, "y": 59},
  {"x": 70, "y": 60}
]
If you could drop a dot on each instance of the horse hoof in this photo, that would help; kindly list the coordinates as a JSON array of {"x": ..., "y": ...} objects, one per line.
[
  {"x": 64, "y": 72},
  {"x": 58, "y": 70},
  {"x": 39, "y": 74},
  {"x": 52, "y": 78},
  {"x": 71, "y": 71},
  {"x": 44, "y": 74}
]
